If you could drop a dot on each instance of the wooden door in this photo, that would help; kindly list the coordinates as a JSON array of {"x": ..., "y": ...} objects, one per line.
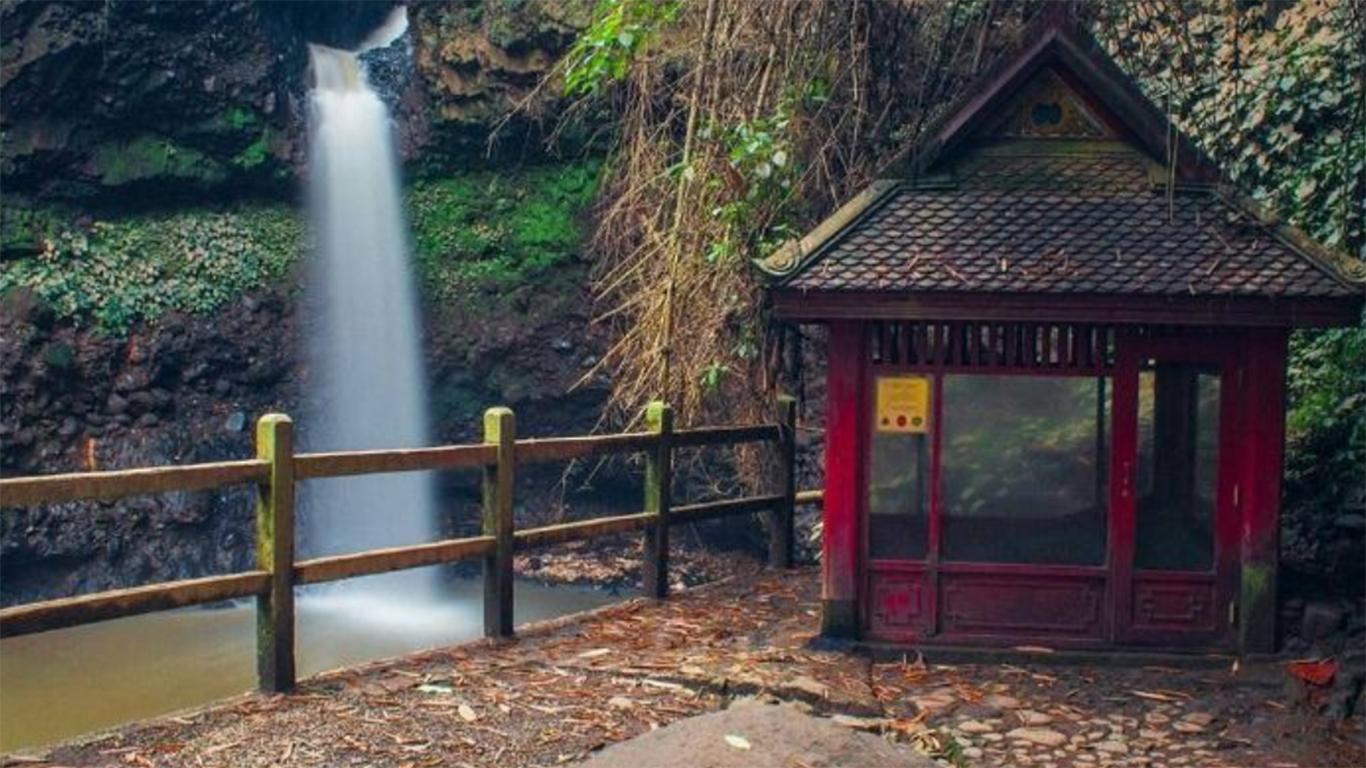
[{"x": 1174, "y": 528}]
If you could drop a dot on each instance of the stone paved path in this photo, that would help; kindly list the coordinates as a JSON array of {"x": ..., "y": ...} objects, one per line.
[{"x": 562, "y": 693}]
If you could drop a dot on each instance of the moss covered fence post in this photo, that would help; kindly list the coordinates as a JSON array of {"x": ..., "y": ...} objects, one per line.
[
  {"x": 659, "y": 419},
  {"x": 500, "y": 429},
  {"x": 275, "y": 554}
]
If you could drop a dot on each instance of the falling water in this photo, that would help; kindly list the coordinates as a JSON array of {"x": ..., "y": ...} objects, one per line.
[{"x": 369, "y": 383}]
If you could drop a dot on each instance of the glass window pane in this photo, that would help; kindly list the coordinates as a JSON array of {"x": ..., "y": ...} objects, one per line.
[
  {"x": 898, "y": 493},
  {"x": 1024, "y": 469},
  {"x": 1178, "y": 466}
]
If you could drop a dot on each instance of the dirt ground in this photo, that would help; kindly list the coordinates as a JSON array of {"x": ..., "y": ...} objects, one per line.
[{"x": 562, "y": 692}]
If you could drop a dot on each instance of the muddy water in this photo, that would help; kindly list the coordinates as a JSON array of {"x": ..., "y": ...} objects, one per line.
[{"x": 58, "y": 685}]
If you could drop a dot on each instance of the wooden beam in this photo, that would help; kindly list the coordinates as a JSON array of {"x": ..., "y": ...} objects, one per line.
[
  {"x": 337, "y": 567},
  {"x": 709, "y": 510},
  {"x": 116, "y": 484},
  {"x": 568, "y": 448},
  {"x": 500, "y": 431},
  {"x": 275, "y": 670},
  {"x": 341, "y": 463},
  {"x": 530, "y": 538},
  {"x": 781, "y": 517},
  {"x": 831, "y": 306},
  {"x": 87, "y": 609},
  {"x": 659, "y": 419},
  {"x": 690, "y": 438}
]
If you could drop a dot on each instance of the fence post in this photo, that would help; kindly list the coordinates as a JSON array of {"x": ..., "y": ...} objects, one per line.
[
  {"x": 275, "y": 555},
  {"x": 659, "y": 418},
  {"x": 500, "y": 428},
  {"x": 782, "y": 516}
]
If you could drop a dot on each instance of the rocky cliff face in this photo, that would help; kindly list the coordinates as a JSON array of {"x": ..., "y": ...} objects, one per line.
[
  {"x": 133, "y": 109},
  {"x": 184, "y": 391},
  {"x": 150, "y": 101}
]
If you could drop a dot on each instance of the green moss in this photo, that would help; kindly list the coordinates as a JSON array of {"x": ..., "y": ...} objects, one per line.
[
  {"x": 483, "y": 232},
  {"x": 240, "y": 118},
  {"x": 254, "y": 154},
  {"x": 150, "y": 157},
  {"x": 478, "y": 237}
]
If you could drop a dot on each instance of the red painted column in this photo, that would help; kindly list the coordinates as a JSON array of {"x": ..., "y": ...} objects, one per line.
[
  {"x": 846, "y": 359},
  {"x": 1259, "y": 486}
]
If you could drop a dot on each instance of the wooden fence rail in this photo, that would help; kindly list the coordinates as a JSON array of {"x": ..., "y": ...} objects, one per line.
[{"x": 276, "y": 470}]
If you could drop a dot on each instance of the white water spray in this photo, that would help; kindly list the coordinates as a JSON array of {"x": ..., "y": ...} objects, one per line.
[{"x": 368, "y": 375}]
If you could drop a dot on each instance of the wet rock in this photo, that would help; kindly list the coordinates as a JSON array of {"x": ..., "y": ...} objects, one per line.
[{"x": 69, "y": 427}]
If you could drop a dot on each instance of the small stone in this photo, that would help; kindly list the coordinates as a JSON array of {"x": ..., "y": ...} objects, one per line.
[
  {"x": 116, "y": 404},
  {"x": 1199, "y": 718},
  {"x": 1113, "y": 747},
  {"x": 236, "y": 421},
  {"x": 1151, "y": 735},
  {"x": 1001, "y": 701},
  {"x": 974, "y": 726},
  {"x": 933, "y": 702},
  {"x": 972, "y": 753},
  {"x": 1185, "y": 727},
  {"x": 1044, "y": 737},
  {"x": 1031, "y": 717},
  {"x": 564, "y": 345},
  {"x": 620, "y": 702},
  {"x": 69, "y": 427},
  {"x": 1156, "y": 718},
  {"x": 147, "y": 420}
]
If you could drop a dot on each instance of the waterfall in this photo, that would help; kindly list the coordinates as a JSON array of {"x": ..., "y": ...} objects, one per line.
[{"x": 368, "y": 380}]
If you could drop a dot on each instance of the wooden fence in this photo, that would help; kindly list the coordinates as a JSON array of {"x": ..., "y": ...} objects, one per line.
[{"x": 277, "y": 468}]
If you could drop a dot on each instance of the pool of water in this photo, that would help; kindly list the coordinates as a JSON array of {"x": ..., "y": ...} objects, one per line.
[{"x": 57, "y": 685}]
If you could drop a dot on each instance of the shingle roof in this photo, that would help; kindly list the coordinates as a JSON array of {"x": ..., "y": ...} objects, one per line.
[
  {"x": 1055, "y": 240},
  {"x": 1050, "y": 177}
]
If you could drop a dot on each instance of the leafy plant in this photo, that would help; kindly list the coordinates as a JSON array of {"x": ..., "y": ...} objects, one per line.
[
  {"x": 620, "y": 30},
  {"x": 125, "y": 271},
  {"x": 490, "y": 231}
]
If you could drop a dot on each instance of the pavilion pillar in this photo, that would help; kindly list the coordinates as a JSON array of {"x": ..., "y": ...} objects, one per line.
[
  {"x": 846, "y": 362},
  {"x": 1259, "y": 486}
]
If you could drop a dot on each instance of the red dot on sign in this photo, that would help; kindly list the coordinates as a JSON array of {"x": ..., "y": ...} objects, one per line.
[{"x": 901, "y": 421}]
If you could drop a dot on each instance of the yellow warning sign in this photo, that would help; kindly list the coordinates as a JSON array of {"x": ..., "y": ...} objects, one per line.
[{"x": 903, "y": 404}]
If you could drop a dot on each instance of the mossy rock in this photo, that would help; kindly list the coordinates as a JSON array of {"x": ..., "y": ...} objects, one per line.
[{"x": 150, "y": 157}]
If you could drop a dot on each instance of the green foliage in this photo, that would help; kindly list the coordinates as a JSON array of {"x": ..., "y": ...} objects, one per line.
[
  {"x": 1277, "y": 104},
  {"x": 490, "y": 231},
  {"x": 121, "y": 272},
  {"x": 620, "y": 30},
  {"x": 1326, "y": 423},
  {"x": 254, "y": 154}
]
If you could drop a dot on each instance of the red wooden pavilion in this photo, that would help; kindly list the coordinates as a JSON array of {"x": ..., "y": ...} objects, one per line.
[{"x": 1056, "y": 375}]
